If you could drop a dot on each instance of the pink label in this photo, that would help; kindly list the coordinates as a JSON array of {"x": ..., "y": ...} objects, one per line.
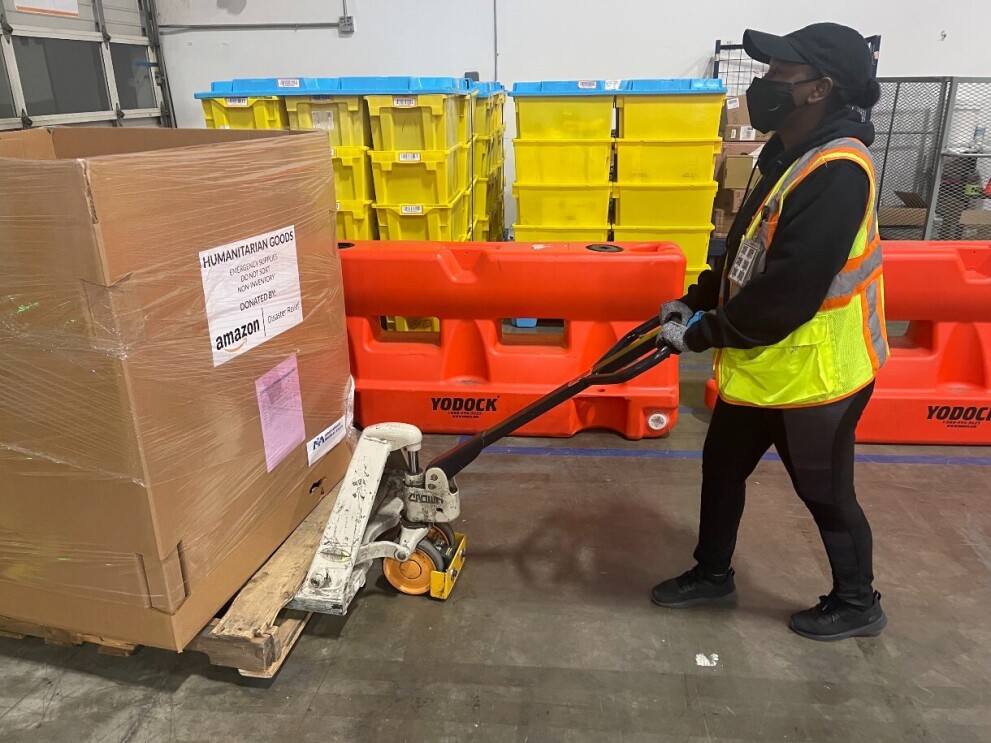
[{"x": 280, "y": 408}]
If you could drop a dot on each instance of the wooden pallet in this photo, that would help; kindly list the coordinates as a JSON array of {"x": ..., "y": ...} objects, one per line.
[{"x": 256, "y": 633}]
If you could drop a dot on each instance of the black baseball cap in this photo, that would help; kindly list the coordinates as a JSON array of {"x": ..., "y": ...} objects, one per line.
[{"x": 836, "y": 51}]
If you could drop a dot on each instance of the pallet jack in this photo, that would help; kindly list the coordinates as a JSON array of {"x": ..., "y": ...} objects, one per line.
[{"x": 389, "y": 507}]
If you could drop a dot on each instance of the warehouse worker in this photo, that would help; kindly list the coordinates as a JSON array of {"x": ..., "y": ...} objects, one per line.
[{"x": 796, "y": 313}]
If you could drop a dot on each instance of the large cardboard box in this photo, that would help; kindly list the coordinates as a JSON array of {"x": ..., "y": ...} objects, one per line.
[
  {"x": 735, "y": 124},
  {"x": 174, "y": 357}
]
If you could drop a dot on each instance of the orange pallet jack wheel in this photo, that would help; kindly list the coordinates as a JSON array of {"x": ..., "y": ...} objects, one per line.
[{"x": 412, "y": 576}]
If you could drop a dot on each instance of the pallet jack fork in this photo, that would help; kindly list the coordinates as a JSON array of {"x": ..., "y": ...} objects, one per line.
[{"x": 389, "y": 507}]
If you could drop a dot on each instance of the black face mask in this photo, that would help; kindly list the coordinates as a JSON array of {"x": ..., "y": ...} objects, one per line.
[{"x": 770, "y": 102}]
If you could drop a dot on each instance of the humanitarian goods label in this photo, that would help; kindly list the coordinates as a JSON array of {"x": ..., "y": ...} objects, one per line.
[
  {"x": 236, "y": 102},
  {"x": 333, "y": 434},
  {"x": 404, "y": 102},
  {"x": 409, "y": 157},
  {"x": 252, "y": 291},
  {"x": 412, "y": 209},
  {"x": 280, "y": 408},
  {"x": 288, "y": 82}
]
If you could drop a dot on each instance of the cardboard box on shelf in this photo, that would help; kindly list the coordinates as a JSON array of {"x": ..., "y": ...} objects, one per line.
[
  {"x": 737, "y": 148},
  {"x": 744, "y": 133},
  {"x": 730, "y": 199},
  {"x": 172, "y": 331},
  {"x": 736, "y": 172},
  {"x": 735, "y": 112}
]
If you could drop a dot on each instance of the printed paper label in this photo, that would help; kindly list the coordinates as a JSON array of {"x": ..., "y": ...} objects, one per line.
[
  {"x": 409, "y": 157},
  {"x": 587, "y": 84},
  {"x": 404, "y": 102},
  {"x": 288, "y": 82},
  {"x": 732, "y": 103},
  {"x": 412, "y": 209},
  {"x": 333, "y": 434},
  {"x": 236, "y": 102},
  {"x": 252, "y": 291},
  {"x": 613, "y": 84},
  {"x": 280, "y": 408}
]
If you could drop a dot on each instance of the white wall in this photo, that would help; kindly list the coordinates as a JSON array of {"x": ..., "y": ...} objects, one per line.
[{"x": 540, "y": 39}]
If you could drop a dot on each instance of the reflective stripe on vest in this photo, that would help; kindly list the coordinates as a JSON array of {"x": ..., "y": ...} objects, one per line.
[{"x": 778, "y": 375}]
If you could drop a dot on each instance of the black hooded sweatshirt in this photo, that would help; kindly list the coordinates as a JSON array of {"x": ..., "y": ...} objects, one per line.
[{"x": 811, "y": 243}]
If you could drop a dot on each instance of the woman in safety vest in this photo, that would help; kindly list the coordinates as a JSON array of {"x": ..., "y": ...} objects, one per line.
[{"x": 796, "y": 313}]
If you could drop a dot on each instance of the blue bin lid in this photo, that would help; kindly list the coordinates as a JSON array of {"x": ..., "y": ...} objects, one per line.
[
  {"x": 268, "y": 86},
  {"x": 404, "y": 85},
  {"x": 488, "y": 89},
  {"x": 553, "y": 88},
  {"x": 681, "y": 86}
]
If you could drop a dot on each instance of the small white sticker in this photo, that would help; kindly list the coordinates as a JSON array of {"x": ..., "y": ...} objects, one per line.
[
  {"x": 333, "y": 151},
  {"x": 613, "y": 84},
  {"x": 236, "y": 102},
  {"x": 706, "y": 661},
  {"x": 398, "y": 102},
  {"x": 252, "y": 293},
  {"x": 411, "y": 209},
  {"x": 335, "y": 433},
  {"x": 409, "y": 157},
  {"x": 732, "y": 103},
  {"x": 587, "y": 84},
  {"x": 338, "y": 206},
  {"x": 288, "y": 82}
]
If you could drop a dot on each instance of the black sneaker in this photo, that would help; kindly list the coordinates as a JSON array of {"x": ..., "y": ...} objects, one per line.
[
  {"x": 834, "y": 619},
  {"x": 693, "y": 588}
]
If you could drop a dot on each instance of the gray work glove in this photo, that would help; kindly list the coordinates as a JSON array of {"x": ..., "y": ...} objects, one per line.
[
  {"x": 675, "y": 311},
  {"x": 673, "y": 336}
]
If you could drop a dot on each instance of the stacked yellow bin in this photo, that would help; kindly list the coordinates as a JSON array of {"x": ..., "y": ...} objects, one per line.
[
  {"x": 421, "y": 156},
  {"x": 344, "y": 116},
  {"x": 665, "y": 161},
  {"x": 563, "y": 156},
  {"x": 308, "y": 104},
  {"x": 488, "y": 162}
]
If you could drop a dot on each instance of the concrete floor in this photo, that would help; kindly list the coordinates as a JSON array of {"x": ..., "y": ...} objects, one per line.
[{"x": 550, "y": 635}]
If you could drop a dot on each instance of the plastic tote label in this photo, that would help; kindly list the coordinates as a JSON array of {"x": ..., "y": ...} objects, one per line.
[
  {"x": 251, "y": 288},
  {"x": 288, "y": 82}
]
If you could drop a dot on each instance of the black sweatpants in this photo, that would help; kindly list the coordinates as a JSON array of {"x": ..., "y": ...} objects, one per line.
[{"x": 817, "y": 447}]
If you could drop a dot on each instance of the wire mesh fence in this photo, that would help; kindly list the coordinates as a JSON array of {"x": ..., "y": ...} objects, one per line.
[{"x": 933, "y": 158}]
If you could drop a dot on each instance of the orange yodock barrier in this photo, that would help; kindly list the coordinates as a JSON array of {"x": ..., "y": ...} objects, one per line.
[
  {"x": 478, "y": 368},
  {"x": 936, "y": 386}
]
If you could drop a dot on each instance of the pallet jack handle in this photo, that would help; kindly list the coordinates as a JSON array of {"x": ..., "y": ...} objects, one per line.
[{"x": 632, "y": 355}]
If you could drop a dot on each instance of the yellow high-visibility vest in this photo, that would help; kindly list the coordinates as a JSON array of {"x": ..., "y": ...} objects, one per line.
[{"x": 840, "y": 350}]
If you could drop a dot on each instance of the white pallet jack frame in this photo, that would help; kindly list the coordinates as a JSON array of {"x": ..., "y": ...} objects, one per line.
[{"x": 385, "y": 487}]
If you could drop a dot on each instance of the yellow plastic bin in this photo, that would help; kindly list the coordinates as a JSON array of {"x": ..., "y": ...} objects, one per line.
[
  {"x": 344, "y": 118},
  {"x": 418, "y": 122},
  {"x": 486, "y": 196},
  {"x": 664, "y": 205},
  {"x": 667, "y": 161},
  {"x": 355, "y": 221},
  {"x": 693, "y": 241},
  {"x": 497, "y": 155},
  {"x": 420, "y": 177},
  {"x": 565, "y": 109},
  {"x": 560, "y": 233},
  {"x": 481, "y": 148},
  {"x": 579, "y": 205},
  {"x": 563, "y": 160},
  {"x": 425, "y": 221},
  {"x": 670, "y": 109},
  {"x": 237, "y": 112},
  {"x": 352, "y": 173}
]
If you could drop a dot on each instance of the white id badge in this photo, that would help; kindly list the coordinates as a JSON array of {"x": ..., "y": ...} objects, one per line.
[{"x": 746, "y": 259}]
